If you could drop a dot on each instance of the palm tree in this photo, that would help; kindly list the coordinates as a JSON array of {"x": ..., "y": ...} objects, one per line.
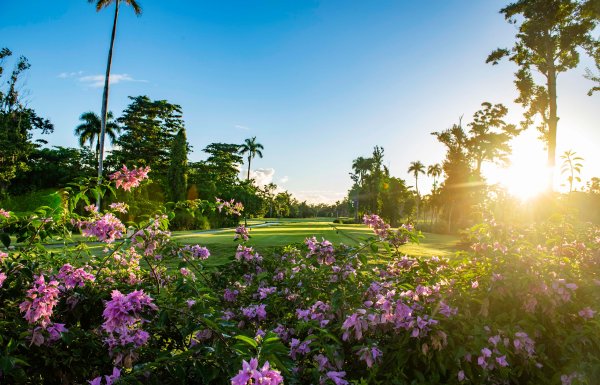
[
  {"x": 417, "y": 168},
  {"x": 101, "y": 4},
  {"x": 571, "y": 165},
  {"x": 251, "y": 148},
  {"x": 89, "y": 130},
  {"x": 435, "y": 171}
]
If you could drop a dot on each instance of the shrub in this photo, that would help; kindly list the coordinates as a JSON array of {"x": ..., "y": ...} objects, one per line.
[{"x": 520, "y": 308}]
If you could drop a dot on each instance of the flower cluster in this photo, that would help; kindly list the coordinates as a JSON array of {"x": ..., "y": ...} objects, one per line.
[
  {"x": 4, "y": 213},
  {"x": 107, "y": 228},
  {"x": 319, "y": 312},
  {"x": 241, "y": 232},
  {"x": 152, "y": 237},
  {"x": 197, "y": 251},
  {"x": 40, "y": 302},
  {"x": 123, "y": 321},
  {"x": 251, "y": 374},
  {"x": 380, "y": 228},
  {"x": 2, "y": 278},
  {"x": 323, "y": 250},
  {"x": 72, "y": 277},
  {"x": 255, "y": 312},
  {"x": 247, "y": 254},
  {"x": 230, "y": 207},
  {"x": 38, "y": 308},
  {"x": 126, "y": 179},
  {"x": 396, "y": 237}
]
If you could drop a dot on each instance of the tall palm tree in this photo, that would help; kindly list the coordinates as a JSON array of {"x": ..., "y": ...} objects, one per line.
[
  {"x": 417, "y": 168},
  {"x": 435, "y": 171},
  {"x": 101, "y": 4},
  {"x": 89, "y": 131},
  {"x": 252, "y": 148}
]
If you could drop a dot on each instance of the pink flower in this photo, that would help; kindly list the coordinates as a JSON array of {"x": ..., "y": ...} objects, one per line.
[
  {"x": 2, "y": 278},
  {"x": 74, "y": 277},
  {"x": 41, "y": 299},
  {"x": 119, "y": 207},
  {"x": 247, "y": 254},
  {"x": 250, "y": 374},
  {"x": 369, "y": 355},
  {"x": 257, "y": 312},
  {"x": 4, "y": 213},
  {"x": 501, "y": 361},
  {"x": 586, "y": 312},
  {"x": 91, "y": 208},
  {"x": 2, "y": 256},
  {"x": 106, "y": 228},
  {"x": 198, "y": 251},
  {"x": 461, "y": 375},
  {"x": 230, "y": 295},
  {"x": 129, "y": 178},
  {"x": 231, "y": 207},
  {"x": 123, "y": 319},
  {"x": 337, "y": 377},
  {"x": 241, "y": 232}
]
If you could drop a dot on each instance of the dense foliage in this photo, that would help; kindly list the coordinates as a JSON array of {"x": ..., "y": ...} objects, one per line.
[{"x": 519, "y": 308}]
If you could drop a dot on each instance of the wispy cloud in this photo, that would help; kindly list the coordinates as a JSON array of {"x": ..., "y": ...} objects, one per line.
[
  {"x": 66, "y": 75},
  {"x": 319, "y": 196},
  {"x": 284, "y": 179},
  {"x": 262, "y": 176},
  {"x": 239, "y": 126},
  {"x": 97, "y": 81}
]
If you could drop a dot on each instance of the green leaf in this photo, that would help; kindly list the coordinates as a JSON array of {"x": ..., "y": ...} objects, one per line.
[{"x": 247, "y": 340}]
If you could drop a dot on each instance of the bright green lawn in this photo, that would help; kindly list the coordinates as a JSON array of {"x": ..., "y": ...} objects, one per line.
[
  {"x": 285, "y": 232},
  {"x": 289, "y": 231}
]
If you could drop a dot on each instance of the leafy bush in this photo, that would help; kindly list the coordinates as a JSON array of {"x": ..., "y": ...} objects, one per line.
[
  {"x": 520, "y": 308},
  {"x": 31, "y": 201}
]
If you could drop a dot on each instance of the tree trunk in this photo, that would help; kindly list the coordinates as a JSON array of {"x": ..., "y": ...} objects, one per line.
[
  {"x": 249, "y": 160},
  {"x": 104, "y": 112},
  {"x": 552, "y": 125}
]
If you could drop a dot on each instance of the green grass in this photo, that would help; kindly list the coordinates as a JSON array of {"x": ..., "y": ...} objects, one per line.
[
  {"x": 278, "y": 233},
  {"x": 285, "y": 232}
]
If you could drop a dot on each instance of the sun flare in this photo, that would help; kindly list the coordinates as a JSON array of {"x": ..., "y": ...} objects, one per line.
[{"x": 527, "y": 174}]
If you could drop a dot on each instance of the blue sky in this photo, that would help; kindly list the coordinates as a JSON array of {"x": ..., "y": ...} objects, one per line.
[{"x": 319, "y": 83}]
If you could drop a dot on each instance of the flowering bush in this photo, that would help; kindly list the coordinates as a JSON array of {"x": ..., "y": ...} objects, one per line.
[{"x": 520, "y": 307}]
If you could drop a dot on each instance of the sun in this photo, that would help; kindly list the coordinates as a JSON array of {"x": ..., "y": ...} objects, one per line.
[{"x": 527, "y": 175}]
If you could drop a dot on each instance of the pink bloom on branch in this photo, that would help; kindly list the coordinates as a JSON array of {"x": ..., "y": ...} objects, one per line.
[
  {"x": 2, "y": 278},
  {"x": 127, "y": 179},
  {"x": 74, "y": 277},
  {"x": 4, "y": 213},
  {"x": 106, "y": 228},
  {"x": 41, "y": 299}
]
